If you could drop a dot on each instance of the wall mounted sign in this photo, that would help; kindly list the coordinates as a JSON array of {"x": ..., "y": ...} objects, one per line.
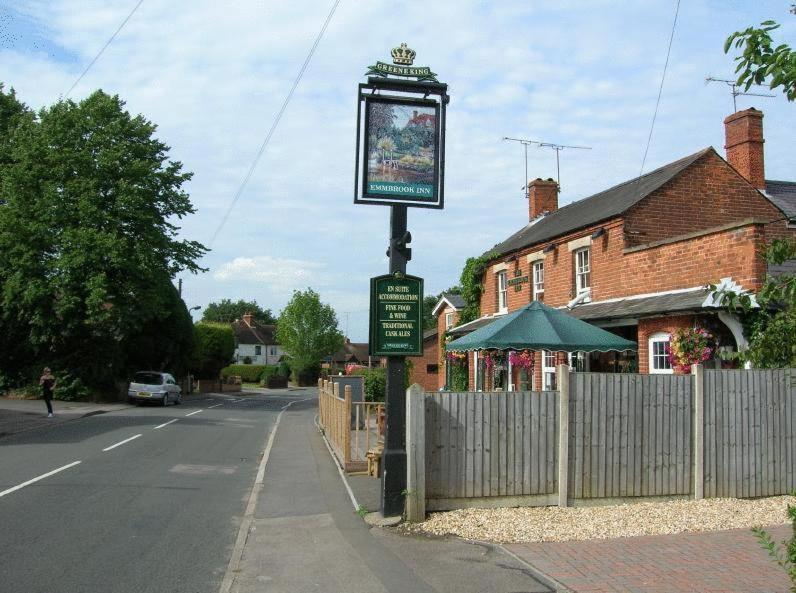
[{"x": 396, "y": 315}]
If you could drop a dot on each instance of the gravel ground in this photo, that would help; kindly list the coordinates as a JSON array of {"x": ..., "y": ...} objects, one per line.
[{"x": 555, "y": 524}]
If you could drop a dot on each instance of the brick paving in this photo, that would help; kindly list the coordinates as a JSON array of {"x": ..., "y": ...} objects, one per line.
[{"x": 715, "y": 562}]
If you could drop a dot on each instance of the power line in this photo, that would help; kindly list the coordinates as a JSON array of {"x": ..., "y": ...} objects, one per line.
[
  {"x": 275, "y": 123},
  {"x": 104, "y": 47},
  {"x": 660, "y": 90}
]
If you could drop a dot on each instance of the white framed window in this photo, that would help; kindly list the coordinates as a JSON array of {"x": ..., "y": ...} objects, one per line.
[
  {"x": 538, "y": 280},
  {"x": 659, "y": 353},
  {"x": 448, "y": 320},
  {"x": 578, "y": 362},
  {"x": 503, "y": 292},
  {"x": 582, "y": 270},
  {"x": 548, "y": 370},
  {"x": 272, "y": 350},
  {"x": 258, "y": 350}
]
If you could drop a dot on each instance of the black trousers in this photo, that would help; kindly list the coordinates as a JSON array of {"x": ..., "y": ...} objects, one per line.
[{"x": 49, "y": 402}]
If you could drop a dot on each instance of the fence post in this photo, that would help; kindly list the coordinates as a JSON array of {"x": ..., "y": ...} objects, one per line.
[
  {"x": 347, "y": 424},
  {"x": 698, "y": 374},
  {"x": 562, "y": 379},
  {"x": 415, "y": 454}
]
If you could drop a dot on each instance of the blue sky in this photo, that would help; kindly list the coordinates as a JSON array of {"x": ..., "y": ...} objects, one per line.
[{"x": 213, "y": 75}]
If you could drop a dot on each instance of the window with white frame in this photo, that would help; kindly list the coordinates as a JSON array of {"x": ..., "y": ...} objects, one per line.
[
  {"x": 582, "y": 270},
  {"x": 448, "y": 320},
  {"x": 258, "y": 350},
  {"x": 548, "y": 370},
  {"x": 272, "y": 351},
  {"x": 659, "y": 353},
  {"x": 503, "y": 292},
  {"x": 538, "y": 280},
  {"x": 578, "y": 362}
]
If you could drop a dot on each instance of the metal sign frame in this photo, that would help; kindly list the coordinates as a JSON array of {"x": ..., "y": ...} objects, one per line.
[{"x": 412, "y": 93}]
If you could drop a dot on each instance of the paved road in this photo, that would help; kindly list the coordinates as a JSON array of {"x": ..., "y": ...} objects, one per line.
[{"x": 157, "y": 513}]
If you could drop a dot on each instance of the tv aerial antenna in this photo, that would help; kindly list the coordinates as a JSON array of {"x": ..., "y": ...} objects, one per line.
[
  {"x": 557, "y": 147},
  {"x": 735, "y": 91}
]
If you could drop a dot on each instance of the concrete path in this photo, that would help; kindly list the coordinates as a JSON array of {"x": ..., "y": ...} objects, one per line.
[
  {"x": 716, "y": 562},
  {"x": 304, "y": 535}
]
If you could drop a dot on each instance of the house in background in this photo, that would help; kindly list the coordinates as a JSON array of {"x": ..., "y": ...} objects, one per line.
[
  {"x": 255, "y": 343},
  {"x": 352, "y": 353},
  {"x": 636, "y": 259},
  {"x": 447, "y": 311},
  {"x": 425, "y": 369}
]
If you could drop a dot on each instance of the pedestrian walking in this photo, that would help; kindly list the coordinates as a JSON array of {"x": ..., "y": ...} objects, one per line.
[{"x": 47, "y": 382}]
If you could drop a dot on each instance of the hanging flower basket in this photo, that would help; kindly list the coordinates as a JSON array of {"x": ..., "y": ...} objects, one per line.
[
  {"x": 690, "y": 346},
  {"x": 523, "y": 360},
  {"x": 457, "y": 358}
]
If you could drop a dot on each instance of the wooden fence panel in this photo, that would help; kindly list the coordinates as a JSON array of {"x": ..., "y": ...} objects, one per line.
[
  {"x": 749, "y": 440},
  {"x": 491, "y": 444},
  {"x": 630, "y": 435}
]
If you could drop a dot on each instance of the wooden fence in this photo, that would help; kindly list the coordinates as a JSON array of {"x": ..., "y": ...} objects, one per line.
[
  {"x": 352, "y": 428},
  {"x": 604, "y": 437}
]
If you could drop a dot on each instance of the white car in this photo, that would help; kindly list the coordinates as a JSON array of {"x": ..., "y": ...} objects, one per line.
[{"x": 154, "y": 385}]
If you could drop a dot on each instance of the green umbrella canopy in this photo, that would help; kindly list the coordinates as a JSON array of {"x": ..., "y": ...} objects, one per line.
[{"x": 539, "y": 327}]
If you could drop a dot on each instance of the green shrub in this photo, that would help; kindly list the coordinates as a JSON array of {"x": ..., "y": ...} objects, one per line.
[
  {"x": 284, "y": 369},
  {"x": 248, "y": 373},
  {"x": 375, "y": 383},
  {"x": 784, "y": 554},
  {"x": 269, "y": 370},
  {"x": 70, "y": 389}
]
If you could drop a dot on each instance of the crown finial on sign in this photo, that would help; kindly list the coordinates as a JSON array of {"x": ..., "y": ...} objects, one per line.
[{"x": 403, "y": 55}]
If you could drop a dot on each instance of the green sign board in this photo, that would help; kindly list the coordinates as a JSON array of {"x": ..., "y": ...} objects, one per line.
[{"x": 396, "y": 315}]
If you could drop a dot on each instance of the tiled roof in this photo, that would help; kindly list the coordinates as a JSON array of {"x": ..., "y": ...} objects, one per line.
[
  {"x": 255, "y": 334},
  {"x": 783, "y": 195},
  {"x": 601, "y": 206},
  {"x": 351, "y": 352},
  {"x": 690, "y": 300}
]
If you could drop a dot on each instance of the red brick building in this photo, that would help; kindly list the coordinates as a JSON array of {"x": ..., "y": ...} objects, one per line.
[{"x": 636, "y": 259}]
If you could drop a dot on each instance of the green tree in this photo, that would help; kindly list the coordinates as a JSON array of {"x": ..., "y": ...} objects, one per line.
[
  {"x": 214, "y": 346},
  {"x": 307, "y": 330},
  {"x": 88, "y": 238},
  {"x": 227, "y": 311},
  {"x": 770, "y": 328},
  {"x": 471, "y": 282},
  {"x": 761, "y": 62}
]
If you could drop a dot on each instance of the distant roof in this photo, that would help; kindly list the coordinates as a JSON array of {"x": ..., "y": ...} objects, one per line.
[
  {"x": 783, "y": 195},
  {"x": 601, "y": 206},
  {"x": 454, "y": 300},
  {"x": 429, "y": 333},
  {"x": 257, "y": 333},
  {"x": 351, "y": 352}
]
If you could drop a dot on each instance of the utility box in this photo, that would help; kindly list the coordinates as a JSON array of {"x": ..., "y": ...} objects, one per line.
[{"x": 357, "y": 383}]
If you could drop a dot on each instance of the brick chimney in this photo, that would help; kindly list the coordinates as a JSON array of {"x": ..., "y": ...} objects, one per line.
[
  {"x": 247, "y": 319},
  {"x": 743, "y": 133},
  {"x": 542, "y": 197}
]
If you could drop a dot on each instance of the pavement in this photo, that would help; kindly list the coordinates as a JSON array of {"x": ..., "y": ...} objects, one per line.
[
  {"x": 712, "y": 562},
  {"x": 304, "y": 534}
]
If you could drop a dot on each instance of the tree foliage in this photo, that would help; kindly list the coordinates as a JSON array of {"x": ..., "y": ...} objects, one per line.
[
  {"x": 227, "y": 311},
  {"x": 769, "y": 327},
  {"x": 471, "y": 283},
  {"x": 307, "y": 330},
  {"x": 213, "y": 349},
  {"x": 88, "y": 242},
  {"x": 761, "y": 62}
]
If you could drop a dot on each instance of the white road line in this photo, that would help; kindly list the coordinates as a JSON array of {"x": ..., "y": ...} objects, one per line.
[
  {"x": 41, "y": 477},
  {"x": 166, "y": 423},
  {"x": 208, "y": 407},
  {"x": 121, "y": 443},
  {"x": 339, "y": 468},
  {"x": 192, "y": 413},
  {"x": 248, "y": 515}
]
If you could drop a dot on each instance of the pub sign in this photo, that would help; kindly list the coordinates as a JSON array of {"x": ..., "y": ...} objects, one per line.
[{"x": 396, "y": 315}]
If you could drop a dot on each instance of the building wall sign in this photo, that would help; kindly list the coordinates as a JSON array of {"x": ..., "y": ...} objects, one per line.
[{"x": 396, "y": 315}]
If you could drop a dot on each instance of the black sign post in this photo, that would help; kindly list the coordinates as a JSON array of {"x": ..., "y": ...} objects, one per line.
[{"x": 400, "y": 163}]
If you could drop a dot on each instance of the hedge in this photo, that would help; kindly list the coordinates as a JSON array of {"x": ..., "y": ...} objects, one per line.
[{"x": 248, "y": 373}]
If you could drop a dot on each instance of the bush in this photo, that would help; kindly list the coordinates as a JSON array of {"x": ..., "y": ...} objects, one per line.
[
  {"x": 375, "y": 383},
  {"x": 269, "y": 370},
  {"x": 307, "y": 376},
  {"x": 284, "y": 369},
  {"x": 71, "y": 389},
  {"x": 276, "y": 382},
  {"x": 247, "y": 360},
  {"x": 248, "y": 373}
]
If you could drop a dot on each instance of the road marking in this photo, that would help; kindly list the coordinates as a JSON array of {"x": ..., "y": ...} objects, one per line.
[
  {"x": 248, "y": 515},
  {"x": 41, "y": 477},
  {"x": 166, "y": 423},
  {"x": 208, "y": 407},
  {"x": 121, "y": 443},
  {"x": 192, "y": 413},
  {"x": 339, "y": 467}
]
